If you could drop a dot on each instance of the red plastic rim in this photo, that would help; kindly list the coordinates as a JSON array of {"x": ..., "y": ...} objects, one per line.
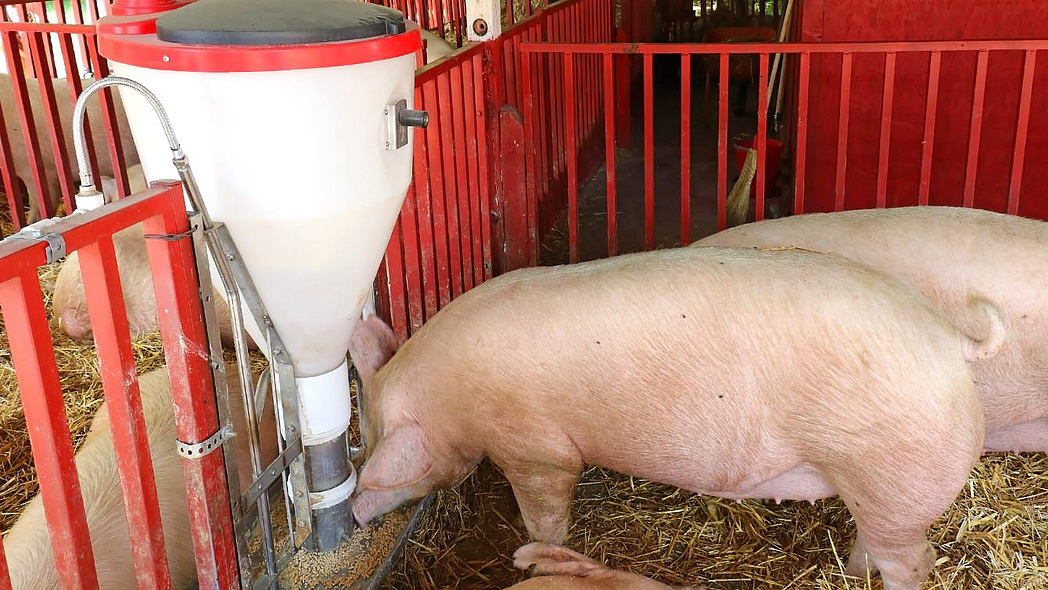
[{"x": 132, "y": 40}]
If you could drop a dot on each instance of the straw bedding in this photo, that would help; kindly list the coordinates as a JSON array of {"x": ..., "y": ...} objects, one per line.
[{"x": 995, "y": 536}]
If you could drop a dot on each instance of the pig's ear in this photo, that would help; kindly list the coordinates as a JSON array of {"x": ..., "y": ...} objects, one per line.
[
  {"x": 545, "y": 559},
  {"x": 371, "y": 346},
  {"x": 399, "y": 460}
]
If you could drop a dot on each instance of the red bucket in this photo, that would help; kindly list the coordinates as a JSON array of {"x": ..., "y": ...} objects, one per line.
[{"x": 772, "y": 160}]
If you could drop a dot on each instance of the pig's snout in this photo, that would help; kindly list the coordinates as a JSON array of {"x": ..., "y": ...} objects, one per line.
[{"x": 76, "y": 323}]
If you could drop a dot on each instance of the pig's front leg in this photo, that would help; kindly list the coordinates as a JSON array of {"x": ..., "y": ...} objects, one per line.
[{"x": 544, "y": 493}]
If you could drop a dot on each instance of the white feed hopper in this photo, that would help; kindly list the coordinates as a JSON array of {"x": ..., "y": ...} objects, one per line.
[{"x": 293, "y": 115}]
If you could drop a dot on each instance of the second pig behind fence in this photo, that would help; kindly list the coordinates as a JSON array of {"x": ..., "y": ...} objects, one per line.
[
  {"x": 682, "y": 367},
  {"x": 950, "y": 253},
  {"x": 20, "y": 153}
]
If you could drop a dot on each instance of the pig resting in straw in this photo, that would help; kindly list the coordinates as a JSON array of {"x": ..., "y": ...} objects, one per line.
[
  {"x": 729, "y": 372},
  {"x": 28, "y": 544},
  {"x": 70, "y": 300},
  {"x": 559, "y": 568}
]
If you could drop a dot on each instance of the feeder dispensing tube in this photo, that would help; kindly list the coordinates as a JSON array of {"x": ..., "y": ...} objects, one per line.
[{"x": 325, "y": 408}]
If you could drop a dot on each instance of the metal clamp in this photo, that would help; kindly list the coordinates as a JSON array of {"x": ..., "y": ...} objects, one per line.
[
  {"x": 56, "y": 245},
  {"x": 205, "y": 448}
]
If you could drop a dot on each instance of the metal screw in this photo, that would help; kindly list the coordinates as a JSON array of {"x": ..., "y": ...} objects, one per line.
[
  {"x": 230, "y": 257},
  {"x": 299, "y": 494},
  {"x": 166, "y": 58},
  {"x": 303, "y": 524}
]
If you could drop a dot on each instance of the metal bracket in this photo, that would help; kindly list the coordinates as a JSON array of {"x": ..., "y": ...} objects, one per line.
[
  {"x": 273, "y": 472},
  {"x": 56, "y": 245},
  {"x": 205, "y": 448}
]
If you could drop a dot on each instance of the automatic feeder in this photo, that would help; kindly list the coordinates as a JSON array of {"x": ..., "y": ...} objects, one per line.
[{"x": 297, "y": 119}]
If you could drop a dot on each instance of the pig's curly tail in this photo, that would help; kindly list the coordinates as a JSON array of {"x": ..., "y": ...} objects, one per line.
[{"x": 990, "y": 345}]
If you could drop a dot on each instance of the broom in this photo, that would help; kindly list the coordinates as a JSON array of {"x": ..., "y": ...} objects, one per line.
[{"x": 739, "y": 197}]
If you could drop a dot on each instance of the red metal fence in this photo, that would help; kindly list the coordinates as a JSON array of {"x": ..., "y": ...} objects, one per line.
[
  {"x": 162, "y": 212},
  {"x": 569, "y": 54},
  {"x": 445, "y": 242}
]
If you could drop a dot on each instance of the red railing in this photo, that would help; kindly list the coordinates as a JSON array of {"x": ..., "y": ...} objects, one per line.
[
  {"x": 162, "y": 212},
  {"x": 802, "y": 54},
  {"x": 445, "y": 242}
]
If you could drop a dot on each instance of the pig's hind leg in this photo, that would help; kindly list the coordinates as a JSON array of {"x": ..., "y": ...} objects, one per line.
[
  {"x": 544, "y": 492},
  {"x": 893, "y": 511}
]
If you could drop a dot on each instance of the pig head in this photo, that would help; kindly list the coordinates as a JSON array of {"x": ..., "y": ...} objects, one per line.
[{"x": 400, "y": 464}]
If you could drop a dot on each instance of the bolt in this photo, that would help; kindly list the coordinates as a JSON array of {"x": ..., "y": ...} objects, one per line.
[
  {"x": 166, "y": 58},
  {"x": 299, "y": 494},
  {"x": 230, "y": 257},
  {"x": 303, "y": 524}
]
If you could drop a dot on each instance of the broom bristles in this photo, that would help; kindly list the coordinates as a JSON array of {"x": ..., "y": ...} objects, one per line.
[{"x": 739, "y": 199}]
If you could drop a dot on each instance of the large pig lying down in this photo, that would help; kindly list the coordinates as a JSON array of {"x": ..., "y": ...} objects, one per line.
[
  {"x": 730, "y": 372},
  {"x": 562, "y": 569},
  {"x": 28, "y": 545},
  {"x": 70, "y": 301},
  {"x": 948, "y": 253}
]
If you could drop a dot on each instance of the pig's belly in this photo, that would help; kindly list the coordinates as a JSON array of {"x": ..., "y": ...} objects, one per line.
[{"x": 802, "y": 482}]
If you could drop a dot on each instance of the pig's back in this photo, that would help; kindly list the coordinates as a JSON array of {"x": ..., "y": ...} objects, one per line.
[{"x": 948, "y": 253}]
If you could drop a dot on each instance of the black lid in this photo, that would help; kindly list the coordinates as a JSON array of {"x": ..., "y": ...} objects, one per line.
[{"x": 277, "y": 22}]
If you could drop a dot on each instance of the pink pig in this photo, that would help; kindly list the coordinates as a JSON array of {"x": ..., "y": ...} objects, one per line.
[
  {"x": 28, "y": 545},
  {"x": 675, "y": 366},
  {"x": 949, "y": 253},
  {"x": 562, "y": 569}
]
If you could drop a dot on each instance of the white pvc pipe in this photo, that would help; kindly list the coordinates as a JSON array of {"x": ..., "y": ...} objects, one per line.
[{"x": 324, "y": 405}]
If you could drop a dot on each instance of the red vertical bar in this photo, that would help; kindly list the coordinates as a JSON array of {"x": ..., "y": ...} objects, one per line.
[
  {"x": 1022, "y": 131},
  {"x": 483, "y": 167},
  {"x": 842, "y": 133},
  {"x": 75, "y": 88},
  {"x": 463, "y": 183},
  {"x": 649, "y": 153},
  {"x": 803, "y": 87},
  {"x": 549, "y": 146},
  {"x": 722, "y": 145},
  {"x": 49, "y": 106},
  {"x": 531, "y": 173},
  {"x": 32, "y": 142},
  {"x": 412, "y": 265},
  {"x": 609, "y": 152},
  {"x": 105, "y": 304},
  {"x": 976, "y": 128},
  {"x": 762, "y": 134},
  {"x": 886, "y": 129},
  {"x": 572, "y": 154},
  {"x": 41, "y": 393},
  {"x": 935, "y": 61},
  {"x": 685, "y": 147},
  {"x": 192, "y": 392},
  {"x": 437, "y": 209},
  {"x": 423, "y": 206},
  {"x": 7, "y": 170},
  {"x": 391, "y": 282},
  {"x": 109, "y": 121},
  {"x": 475, "y": 180}
]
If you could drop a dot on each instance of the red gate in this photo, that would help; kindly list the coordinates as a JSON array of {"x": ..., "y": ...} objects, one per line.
[
  {"x": 162, "y": 212},
  {"x": 564, "y": 57}
]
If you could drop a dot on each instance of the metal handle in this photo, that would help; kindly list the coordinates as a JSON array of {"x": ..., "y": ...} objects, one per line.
[{"x": 413, "y": 118}]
